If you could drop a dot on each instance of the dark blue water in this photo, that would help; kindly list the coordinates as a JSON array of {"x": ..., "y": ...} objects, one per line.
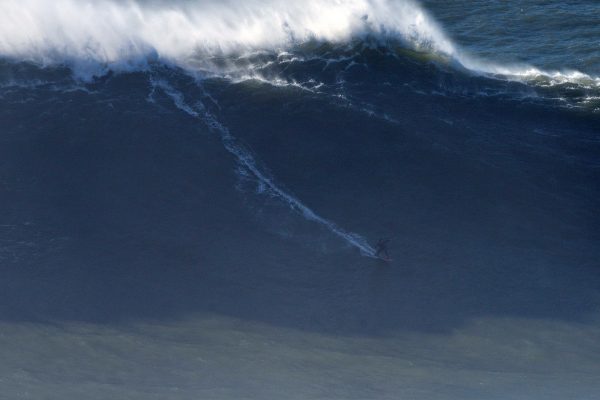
[
  {"x": 191, "y": 193},
  {"x": 552, "y": 35}
]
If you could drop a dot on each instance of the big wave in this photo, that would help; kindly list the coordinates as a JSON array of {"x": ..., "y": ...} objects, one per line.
[
  {"x": 110, "y": 35},
  {"x": 95, "y": 37}
]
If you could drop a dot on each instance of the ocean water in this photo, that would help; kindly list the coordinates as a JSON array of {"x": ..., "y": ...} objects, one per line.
[
  {"x": 192, "y": 190},
  {"x": 548, "y": 35}
]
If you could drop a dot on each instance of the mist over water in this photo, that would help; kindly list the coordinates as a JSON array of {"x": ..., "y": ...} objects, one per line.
[
  {"x": 209, "y": 38},
  {"x": 127, "y": 34}
]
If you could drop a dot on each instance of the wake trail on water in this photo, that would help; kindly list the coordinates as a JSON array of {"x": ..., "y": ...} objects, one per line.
[{"x": 248, "y": 162}]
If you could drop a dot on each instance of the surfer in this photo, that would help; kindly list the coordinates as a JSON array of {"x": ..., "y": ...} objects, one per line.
[{"x": 381, "y": 248}]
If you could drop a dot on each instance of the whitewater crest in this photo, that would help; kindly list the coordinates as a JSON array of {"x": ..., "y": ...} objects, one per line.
[
  {"x": 106, "y": 34},
  {"x": 210, "y": 37}
]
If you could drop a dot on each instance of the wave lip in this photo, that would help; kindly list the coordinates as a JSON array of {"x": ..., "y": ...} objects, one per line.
[
  {"x": 207, "y": 36},
  {"x": 126, "y": 35}
]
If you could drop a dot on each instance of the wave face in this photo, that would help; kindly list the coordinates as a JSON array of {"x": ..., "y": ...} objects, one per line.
[{"x": 222, "y": 172}]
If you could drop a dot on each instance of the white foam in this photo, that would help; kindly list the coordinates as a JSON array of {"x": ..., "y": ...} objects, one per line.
[
  {"x": 527, "y": 73},
  {"x": 247, "y": 162},
  {"x": 93, "y": 36}
]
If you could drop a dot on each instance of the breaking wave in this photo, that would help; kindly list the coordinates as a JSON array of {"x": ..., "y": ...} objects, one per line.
[
  {"x": 126, "y": 35},
  {"x": 207, "y": 36}
]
